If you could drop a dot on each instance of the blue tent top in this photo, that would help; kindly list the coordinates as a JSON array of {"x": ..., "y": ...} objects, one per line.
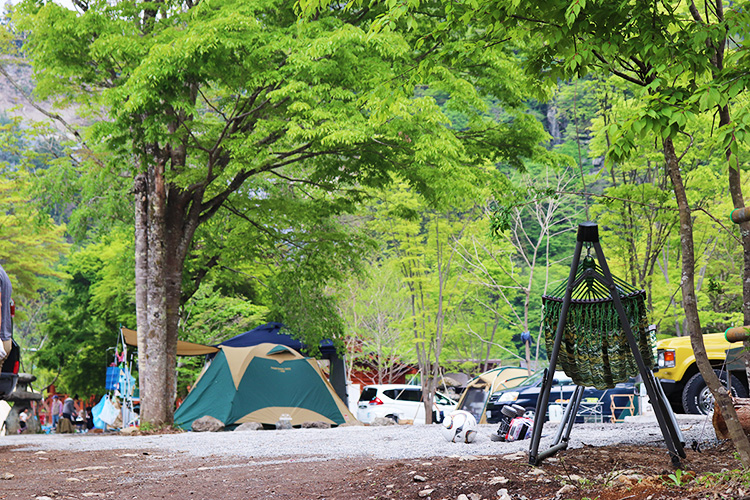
[{"x": 271, "y": 333}]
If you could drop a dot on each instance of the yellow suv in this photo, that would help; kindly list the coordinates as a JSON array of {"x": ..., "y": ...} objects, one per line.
[{"x": 681, "y": 380}]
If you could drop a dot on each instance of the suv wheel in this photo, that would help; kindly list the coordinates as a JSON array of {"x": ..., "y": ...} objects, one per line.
[{"x": 697, "y": 398}]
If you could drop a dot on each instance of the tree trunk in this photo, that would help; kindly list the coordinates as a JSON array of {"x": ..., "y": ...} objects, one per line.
[
  {"x": 156, "y": 405},
  {"x": 141, "y": 277},
  {"x": 690, "y": 305}
]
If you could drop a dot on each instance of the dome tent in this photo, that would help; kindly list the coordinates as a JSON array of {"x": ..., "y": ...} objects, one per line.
[
  {"x": 259, "y": 384},
  {"x": 275, "y": 333}
]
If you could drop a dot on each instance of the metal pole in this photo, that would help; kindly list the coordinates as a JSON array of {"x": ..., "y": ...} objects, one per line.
[
  {"x": 543, "y": 401},
  {"x": 563, "y": 433},
  {"x": 675, "y": 449},
  {"x": 571, "y": 408}
]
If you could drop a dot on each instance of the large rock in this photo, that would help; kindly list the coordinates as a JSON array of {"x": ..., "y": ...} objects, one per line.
[
  {"x": 249, "y": 426},
  {"x": 207, "y": 424}
]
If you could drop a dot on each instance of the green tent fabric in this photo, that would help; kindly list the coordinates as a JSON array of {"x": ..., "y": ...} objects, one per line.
[{"x": 259, "y": 384}]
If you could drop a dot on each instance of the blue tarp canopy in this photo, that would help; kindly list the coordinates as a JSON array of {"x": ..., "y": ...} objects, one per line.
[{"x": 270, "y": 333}]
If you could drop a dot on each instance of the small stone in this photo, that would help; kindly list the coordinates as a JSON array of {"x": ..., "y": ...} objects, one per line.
[
  {"x": 519, "y": 455},
  {"x": 626, "y": 480},
  {"x": 502, "y": 494},
  {"x": 419, "y": 478},
  {"x": 498, "y": 480},
  {"x": 565, "y": 490},
  {"x": 72, "y": 480},
  {"x": 6, "y": 475},
  {"x": 390, "y": 486},
  {"x": 315, "y": 425},
  {"x": 249, "y": 426},
  {"x": 426, "y": 493},
  {"x": 535, "y": 472},
  {"x": 43, "y": 498},
  {"x": 575, "y": 477},
  {"x": 475, "y": 496},
  {"x": 462, "y": 497}
]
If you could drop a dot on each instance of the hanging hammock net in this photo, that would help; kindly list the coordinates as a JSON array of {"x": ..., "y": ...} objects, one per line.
[{"x": 594, "y": 349}]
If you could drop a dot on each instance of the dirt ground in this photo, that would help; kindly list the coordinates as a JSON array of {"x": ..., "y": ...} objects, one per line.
[{"x": 605, "y": 473}]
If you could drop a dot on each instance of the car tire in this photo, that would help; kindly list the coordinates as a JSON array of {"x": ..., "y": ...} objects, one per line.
[
  {"x": 393, "y": 417},
  {"x": 697, "y": 398}
]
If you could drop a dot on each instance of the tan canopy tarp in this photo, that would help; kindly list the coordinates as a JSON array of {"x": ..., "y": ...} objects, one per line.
[{"x": 183, "y": 348}]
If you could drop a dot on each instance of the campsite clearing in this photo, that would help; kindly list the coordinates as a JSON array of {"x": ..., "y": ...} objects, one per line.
[
  {"x": 636, "y": 472},
  {"x": 363, "y": 463}
]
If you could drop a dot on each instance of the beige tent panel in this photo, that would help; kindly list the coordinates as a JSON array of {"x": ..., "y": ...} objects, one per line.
[
  {"x": 183, "y": 348},
  {"x": 504, "y": 379},
  {"x": 270, "y": 415},
  {"x": 238, "y": 358}
]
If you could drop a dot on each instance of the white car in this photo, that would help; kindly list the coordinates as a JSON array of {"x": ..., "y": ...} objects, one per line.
[{"x": 401, "y": 403}]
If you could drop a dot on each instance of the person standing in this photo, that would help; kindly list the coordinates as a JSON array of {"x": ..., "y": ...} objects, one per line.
[
  {"x": 22, "y": 418},
  {"x": 69, "y": 410},
  {"x": 89, "y": 419},
  {"x": 6, "y": 323},
  {"x": 56, "y": 410}
]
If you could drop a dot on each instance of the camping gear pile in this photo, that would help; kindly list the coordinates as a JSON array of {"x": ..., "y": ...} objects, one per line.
[{"x": 513, "y": 425}]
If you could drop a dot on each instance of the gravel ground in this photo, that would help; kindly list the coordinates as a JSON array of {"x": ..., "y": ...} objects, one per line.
[{"x": 383, "y": 443}]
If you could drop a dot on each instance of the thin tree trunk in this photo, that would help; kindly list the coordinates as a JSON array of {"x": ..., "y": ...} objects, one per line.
[
  {"x": 141, "y": 277},
  {"x": 690, "y": 305}
]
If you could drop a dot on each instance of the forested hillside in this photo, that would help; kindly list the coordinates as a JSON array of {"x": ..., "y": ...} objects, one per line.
[{"x": 413, "y": 223}]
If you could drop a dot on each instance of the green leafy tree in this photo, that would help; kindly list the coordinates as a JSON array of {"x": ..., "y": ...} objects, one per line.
[
  {"x": 515, "y": 267},
  {"x": 83, "y": 322},
  {"x": 666, "y": 54},
  {"x": 420, "y": 239},
  {"x": 681, "y": 58},
  {"x": 374, "y": 308},
  {"x": 32, "y": 242},
  {"x": 209, "y": 102}
]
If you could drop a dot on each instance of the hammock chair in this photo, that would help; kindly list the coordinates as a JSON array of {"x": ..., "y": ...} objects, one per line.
[
  {"x": 595, "y": 350},
  {"x": 595, "y": 326}
]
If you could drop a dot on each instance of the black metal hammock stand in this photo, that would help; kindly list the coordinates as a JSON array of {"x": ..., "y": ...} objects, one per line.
[
  {"x": 594, "y": 350},
  {"x": 590, "y": 324}
]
